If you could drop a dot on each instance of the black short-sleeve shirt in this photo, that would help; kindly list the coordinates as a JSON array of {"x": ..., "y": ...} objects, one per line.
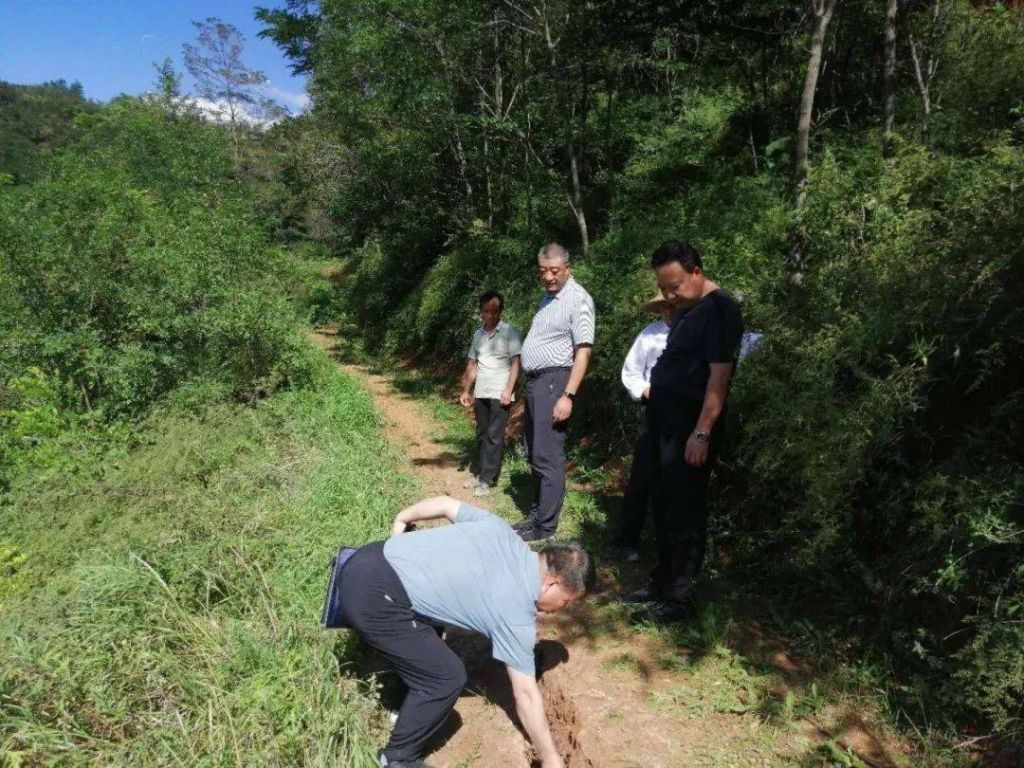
[{"x": 709, "y": 332}]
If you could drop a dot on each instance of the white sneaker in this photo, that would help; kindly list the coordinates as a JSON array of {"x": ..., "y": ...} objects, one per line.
[
  {"x": 482, "y": 490},
  {"x": 473, "y": 482}
]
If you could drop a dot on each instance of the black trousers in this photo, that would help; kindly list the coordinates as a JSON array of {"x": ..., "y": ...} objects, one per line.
[
  {"x": 680, "y": 490},
  {"x": 545, "y": 445},
  {"x": 491, "y": 418},
  {"x": 376, "y": 606},
  {"x": 639, "y": 488}
]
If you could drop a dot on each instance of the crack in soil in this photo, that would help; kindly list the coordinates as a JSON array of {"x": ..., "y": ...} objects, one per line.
[{"x": 565, "y": 722}]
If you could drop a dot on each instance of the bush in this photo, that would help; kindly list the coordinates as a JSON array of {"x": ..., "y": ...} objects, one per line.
[{"x": 137, "y": 266}]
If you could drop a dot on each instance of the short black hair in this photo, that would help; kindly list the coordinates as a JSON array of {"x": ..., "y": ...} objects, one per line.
[
  {"x": 488, "y": 295},
  {"x": 573, "y": 566},
  {"x": 684, "y": 254}
]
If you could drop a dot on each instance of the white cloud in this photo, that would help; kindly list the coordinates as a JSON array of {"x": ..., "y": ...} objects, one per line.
[
  {"x": 296, "y": 101},
  {"x": 219, "y": 112}
]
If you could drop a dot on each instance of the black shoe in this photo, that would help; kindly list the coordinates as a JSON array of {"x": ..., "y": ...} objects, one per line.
[
  {"x": 660, "y": 612},
  {"x": 645, "y": 596},
  {"x": 385, "y": 763},
  {"x": 522, "y": 525},
  {"x": 681, "y": 590},
  {"x": 531, "y": 535}
]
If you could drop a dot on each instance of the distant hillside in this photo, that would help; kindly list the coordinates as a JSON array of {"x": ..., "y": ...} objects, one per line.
[{"x": 34, "y": 120}]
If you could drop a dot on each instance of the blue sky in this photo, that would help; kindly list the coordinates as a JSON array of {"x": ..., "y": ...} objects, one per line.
[{"x": 109, "y": 45}]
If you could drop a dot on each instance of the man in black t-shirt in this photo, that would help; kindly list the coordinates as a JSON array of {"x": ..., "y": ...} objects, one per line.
[{"x": 689, "y": 386}]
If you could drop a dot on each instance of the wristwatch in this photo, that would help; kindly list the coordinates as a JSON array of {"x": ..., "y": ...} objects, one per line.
[
  {"x": 570, "y": 395},
  {"x": 701, "y": 436}
]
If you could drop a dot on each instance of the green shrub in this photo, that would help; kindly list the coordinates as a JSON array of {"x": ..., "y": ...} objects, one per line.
[{"x": 137, "y": 265}]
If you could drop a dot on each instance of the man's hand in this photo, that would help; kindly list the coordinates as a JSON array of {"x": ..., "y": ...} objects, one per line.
[
  {"x": 646, "y": 395},
  {"x": 465, "y": 400},
  {"x": 530, "y": 708},
  {"x": 563, "y": 409},
  {"x": 506, "y": 398},
  {"x": 696, "y": 452},
  {"x": 398, "y": 528}
]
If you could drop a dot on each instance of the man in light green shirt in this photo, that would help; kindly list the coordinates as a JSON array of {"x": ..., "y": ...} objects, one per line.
[{"x": 488, "y": 384}]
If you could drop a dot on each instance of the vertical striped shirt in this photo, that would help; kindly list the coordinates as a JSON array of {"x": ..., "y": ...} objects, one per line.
[{"x": 564, "y": 321}]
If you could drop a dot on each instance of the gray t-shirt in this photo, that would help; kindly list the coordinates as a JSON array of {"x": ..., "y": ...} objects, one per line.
[{"x": 478, "y": 575}]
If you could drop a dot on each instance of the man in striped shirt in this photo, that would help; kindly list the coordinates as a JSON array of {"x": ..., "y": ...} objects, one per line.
[{"x": 554, "y": 358}]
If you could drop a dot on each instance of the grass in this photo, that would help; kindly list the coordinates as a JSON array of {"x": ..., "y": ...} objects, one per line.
[{"x": 165, "y": 604}]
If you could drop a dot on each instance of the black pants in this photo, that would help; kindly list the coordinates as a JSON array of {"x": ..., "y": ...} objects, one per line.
[
  {"x": 491, "y": 417},
  {"x": 376, "y": 606},
  {"x": 545, "y": 445},
  {"x": 639, "y": 488},
  {"x": 680, "y": 491}
]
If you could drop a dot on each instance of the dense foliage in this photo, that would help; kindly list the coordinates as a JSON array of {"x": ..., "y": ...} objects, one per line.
[
  {"x": 880, "y": 458},
  {"x": 35, "y": 120},
  {"x": 138, "y": 263}
]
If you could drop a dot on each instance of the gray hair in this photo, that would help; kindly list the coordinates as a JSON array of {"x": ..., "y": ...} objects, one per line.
[
  {"x": 572, "y": 564},
  {"x": 553, "y": 250}
]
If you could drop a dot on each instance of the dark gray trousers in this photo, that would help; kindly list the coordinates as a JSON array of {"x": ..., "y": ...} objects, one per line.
[
  {"x": 375, "y": 604},
  {"x": 639, "y": 490},
  {"x": 491, "y": 417},
  {"x": 545, "y": 446}
]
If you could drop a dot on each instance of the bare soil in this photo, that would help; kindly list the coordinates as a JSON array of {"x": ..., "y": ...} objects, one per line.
[{"x": 611, "y": 699}]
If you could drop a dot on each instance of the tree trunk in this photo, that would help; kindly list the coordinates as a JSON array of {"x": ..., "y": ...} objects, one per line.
[
  {"x": 822, "y": 16},
  {"x": 891, "y": 13},
  {"x": 822, "y": 11},
  {"x": 924, "y": 77},
  {"x": 575, "y": 197},
  {"x": 576, "y": 202}
]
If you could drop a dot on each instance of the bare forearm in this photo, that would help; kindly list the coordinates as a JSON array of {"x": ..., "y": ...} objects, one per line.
[
  {"x": 714, "y": 398},
  {"x": 579, "y": 369},
  {"x": 513, "y": 375},
  {"x": 530, "y": 708},
  {"x": 469, "y": 377},
  {"x": 428, "y": 509}
]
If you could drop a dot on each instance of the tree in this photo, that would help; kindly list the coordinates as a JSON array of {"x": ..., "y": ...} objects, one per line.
[
  {"x": 224, "y": 80},
  {"x": 294, "y": 29},
  {"x": 924, "y": 52},
  {"x": 822, "y": 11},
  {"x": 891, "y": 14},
  {"x": 168, "y": 84}
]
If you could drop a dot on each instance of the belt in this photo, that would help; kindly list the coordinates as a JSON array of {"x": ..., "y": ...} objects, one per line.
[{"x": 542, "y": 371}]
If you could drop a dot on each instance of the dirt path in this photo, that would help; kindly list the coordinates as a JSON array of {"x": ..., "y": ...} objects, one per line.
[{"x": 615, "y": 698}]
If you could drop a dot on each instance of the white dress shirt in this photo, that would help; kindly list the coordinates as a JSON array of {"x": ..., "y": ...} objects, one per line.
[{"x": 640, "y": 360}]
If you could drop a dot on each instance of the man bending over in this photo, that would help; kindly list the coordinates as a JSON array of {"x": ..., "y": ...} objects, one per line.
[{"x": 476, "y": 574}]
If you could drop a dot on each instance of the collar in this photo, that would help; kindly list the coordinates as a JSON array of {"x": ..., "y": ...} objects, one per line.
[
  {"x": 496, "y": 329},
  {"x": 553, "y": 296}
]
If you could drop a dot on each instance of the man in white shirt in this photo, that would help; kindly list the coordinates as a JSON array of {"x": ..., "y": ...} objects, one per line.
[
  {"x": 488, "y": 385},
  {"x": 636, "y": 378}
]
